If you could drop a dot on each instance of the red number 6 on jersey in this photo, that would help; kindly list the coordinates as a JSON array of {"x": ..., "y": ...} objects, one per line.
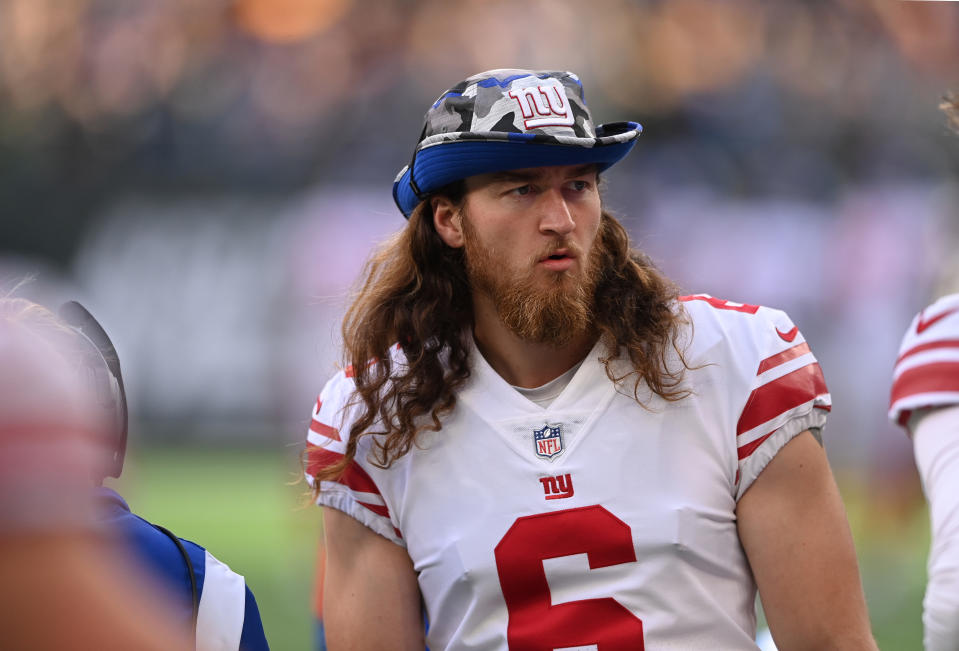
[{"x": 537, "y": 625}]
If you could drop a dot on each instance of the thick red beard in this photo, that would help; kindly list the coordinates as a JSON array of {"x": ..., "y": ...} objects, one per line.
[{"x": 537, "y": 305}]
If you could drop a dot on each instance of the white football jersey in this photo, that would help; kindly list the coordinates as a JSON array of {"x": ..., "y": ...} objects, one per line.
[
  {"x": 595, "y": 523},
  {"x": 927, "y": 370}
]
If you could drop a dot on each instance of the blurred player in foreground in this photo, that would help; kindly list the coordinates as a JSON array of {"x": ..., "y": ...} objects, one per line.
[
  {"x": 62, "y": 584},
  {"x": 539, "y": 440},
  {"x": 925, "y": 400},
  {"x": 204, "y": 596}
]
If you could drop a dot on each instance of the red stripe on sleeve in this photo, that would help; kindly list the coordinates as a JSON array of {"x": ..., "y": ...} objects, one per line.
[
  {"x": 324, "y": 430},
  {"x": 319, "y": 405},
  {"x": 944, "y": 343},
  {"x": 781, "y": 395},
  {"x": 783, "y": 357},
  {"x": 378, "y": 509},
  {"x": 749, "y": 448},
  {"x": 904, "y": 418},
  {"x": 928, "y": 378},
  {"x": 354, "y": 477}
]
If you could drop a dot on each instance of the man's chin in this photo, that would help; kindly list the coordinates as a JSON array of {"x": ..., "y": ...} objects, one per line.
[
  {"x": 553, "y": 316},
  {"x": 552, "y": 280},
  {"x": 553, "y": 334}
]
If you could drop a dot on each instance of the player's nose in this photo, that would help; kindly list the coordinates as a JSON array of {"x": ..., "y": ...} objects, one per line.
[{"x": 555, "y": 215}]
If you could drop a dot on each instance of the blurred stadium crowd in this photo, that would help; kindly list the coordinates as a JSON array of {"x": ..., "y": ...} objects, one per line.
[{"x": 208, "y": 176}]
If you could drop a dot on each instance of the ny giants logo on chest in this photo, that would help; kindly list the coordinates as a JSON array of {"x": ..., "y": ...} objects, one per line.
[
  {"x": 548, "y": 441},
  {"x": 545, "y": 105},
  {"x": 557, "y": 488}
]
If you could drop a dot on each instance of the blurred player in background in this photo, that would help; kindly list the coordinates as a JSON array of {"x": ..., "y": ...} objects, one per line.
[
  {"x": 925, "y": 400},
  {"x": 203, "y": 595},
  {"x": 539, "y": 440}
]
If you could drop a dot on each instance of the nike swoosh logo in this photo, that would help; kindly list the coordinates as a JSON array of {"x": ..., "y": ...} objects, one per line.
[
  {"x": 788, "y": 336},
  {"x": 922, "y": 325}
]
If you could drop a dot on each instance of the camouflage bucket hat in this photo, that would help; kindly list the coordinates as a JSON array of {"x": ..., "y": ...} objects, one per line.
[{"x": 504, "y": 120}]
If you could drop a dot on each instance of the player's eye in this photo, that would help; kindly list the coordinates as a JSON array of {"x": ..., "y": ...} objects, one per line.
[
  {"x": 522, "y": 190},
  {"x": 579, "y": 185}
]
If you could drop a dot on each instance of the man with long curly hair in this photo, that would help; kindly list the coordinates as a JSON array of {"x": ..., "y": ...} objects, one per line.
[{"x": 539, "y": 444}]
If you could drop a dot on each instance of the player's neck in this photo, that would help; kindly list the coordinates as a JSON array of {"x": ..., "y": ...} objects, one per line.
[{"x": 525, "y": 363}]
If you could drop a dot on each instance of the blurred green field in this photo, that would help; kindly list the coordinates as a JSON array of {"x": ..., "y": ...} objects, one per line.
[
  {"x": 239, "y": 504},
  {"x": 890, "y": 525}
]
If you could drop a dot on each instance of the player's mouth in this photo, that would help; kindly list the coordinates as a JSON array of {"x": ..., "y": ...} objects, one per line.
[{"x": 558, "y": 260}]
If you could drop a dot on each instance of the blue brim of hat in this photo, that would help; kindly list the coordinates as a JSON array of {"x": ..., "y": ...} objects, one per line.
[{"x": 442, "y": 164}]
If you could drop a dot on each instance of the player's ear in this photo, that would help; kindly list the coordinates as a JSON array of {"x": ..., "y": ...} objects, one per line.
[{"x": 447, "y": 218}]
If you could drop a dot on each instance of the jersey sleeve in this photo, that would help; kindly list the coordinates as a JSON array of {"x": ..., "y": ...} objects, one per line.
[
  {"x": 355, "y": 492},
  {"x": 252, "y": 637},
  {"x": 771, "y": 381},
  {"x": 927, "y": 369},
  {"x": 788, "y": 396},
  {"x": 227, "y": 614},
  {"x": 774, "y": 381}
]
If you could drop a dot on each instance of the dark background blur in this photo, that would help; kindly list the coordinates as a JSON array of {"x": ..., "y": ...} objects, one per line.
[{"x": 208, "y": 176}]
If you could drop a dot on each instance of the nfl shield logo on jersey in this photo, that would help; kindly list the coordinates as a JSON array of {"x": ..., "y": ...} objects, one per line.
[{"x": 548, "y": 441}]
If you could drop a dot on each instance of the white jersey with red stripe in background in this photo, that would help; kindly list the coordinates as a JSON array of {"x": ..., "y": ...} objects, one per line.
[
  {"x": 927, "y": 370},
  {"x": 925, "y": 400},
  {"x": 595, "y": 519}
]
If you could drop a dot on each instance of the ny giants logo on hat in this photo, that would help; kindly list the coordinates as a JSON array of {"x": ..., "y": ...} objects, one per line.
[
  {"x": 548, "y": 101},
  {"x": 508, "y": 119}
]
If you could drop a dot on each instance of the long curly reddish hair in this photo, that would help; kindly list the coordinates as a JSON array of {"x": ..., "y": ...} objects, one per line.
[{"x": 416, "y": 295}]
